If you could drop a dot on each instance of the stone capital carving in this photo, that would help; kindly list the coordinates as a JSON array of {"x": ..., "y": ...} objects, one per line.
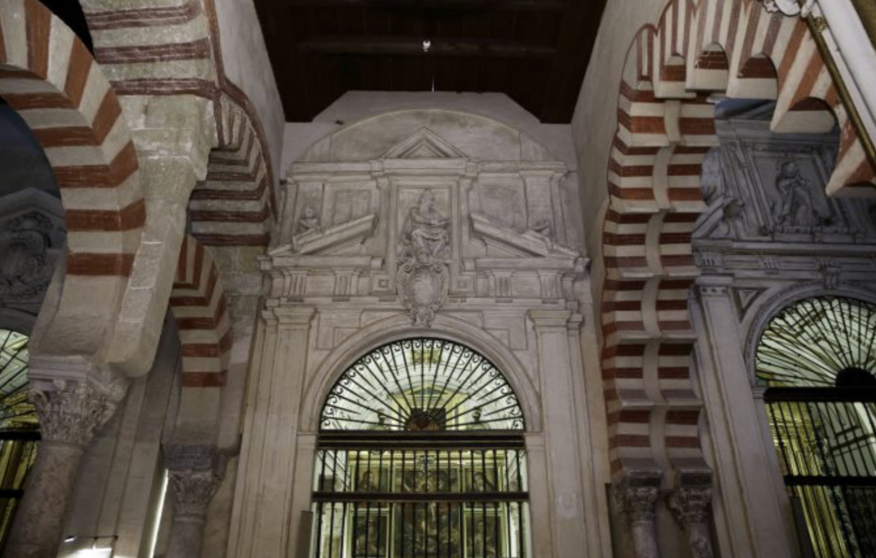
[
  {"x": 691, "y": 507},
  {"x": 71, "y": 411},
  {"x": 636, "y": 503},
  {"x": 194, "y": 473}
]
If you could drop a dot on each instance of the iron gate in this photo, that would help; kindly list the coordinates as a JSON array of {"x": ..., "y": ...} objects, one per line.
[
  {"x": 423, "y": 495},
  {"x": 826, "y": 440}
]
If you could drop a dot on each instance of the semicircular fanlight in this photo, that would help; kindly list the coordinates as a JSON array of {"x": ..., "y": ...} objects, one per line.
[
  {"x": 820, "y": 342},
  {"x": 422, "y": 385},
  {"x": 15, "y": 411}
]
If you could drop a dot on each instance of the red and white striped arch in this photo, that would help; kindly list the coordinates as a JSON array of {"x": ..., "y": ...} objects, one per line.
[
  {"x": 665, "y": 128},
  {"x": 232, "y": 207},
  {"x": 51, "y": 79},
  {"x": 200, "y": 309}
]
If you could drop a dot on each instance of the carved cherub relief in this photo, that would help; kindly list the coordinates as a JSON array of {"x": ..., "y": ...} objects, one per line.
[{"x": 309, "y": 222}]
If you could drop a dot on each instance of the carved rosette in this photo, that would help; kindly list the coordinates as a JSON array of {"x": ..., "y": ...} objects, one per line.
[
  {"x": 692, "y": 508},
  {"x": 24, "y": 269},
  {"x": 194, "y": 474},
  {"x": 72, "y": 411}
]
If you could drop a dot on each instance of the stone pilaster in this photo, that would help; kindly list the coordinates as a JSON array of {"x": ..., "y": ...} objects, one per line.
[
  {"x": 70, "y": 412},
  {"x": 692, "y": 508},
  {"x": 194, "y": 474},
  {"x": 636, "y": 501}
]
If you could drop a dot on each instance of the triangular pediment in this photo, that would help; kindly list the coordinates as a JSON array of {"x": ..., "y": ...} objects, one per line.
[{"x": 424, "y": 144}]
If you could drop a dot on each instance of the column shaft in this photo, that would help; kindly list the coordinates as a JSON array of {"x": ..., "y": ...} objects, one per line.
[{"x": 39, "y": 521}]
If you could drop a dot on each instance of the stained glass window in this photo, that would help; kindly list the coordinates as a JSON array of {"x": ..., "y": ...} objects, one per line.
[
  {"x": 19, "y": 427},
  {"x": 421, "y": 454},
  {"x": 818, "y": 357}
]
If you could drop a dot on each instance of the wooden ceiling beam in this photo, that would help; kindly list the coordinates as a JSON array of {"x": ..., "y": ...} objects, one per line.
[
  {"x": 419, "y": 5},
  {"x": 440, "y": 47}
]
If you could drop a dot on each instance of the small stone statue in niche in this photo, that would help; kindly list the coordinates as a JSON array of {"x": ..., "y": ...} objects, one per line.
[
  {"x": 794, "y": 207},
  {"x": 308, "y": 224},
  {"x": 425, "y": 236}
]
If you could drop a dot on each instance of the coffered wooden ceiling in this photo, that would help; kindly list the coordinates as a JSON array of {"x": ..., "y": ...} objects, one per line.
[{"x": 535, "y": 51}]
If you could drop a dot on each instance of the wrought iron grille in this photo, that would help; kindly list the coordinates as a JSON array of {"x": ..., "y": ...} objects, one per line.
[
  {"x": 420, "y": 455},
  {"x": 818, "y": 357},
  {"x": 432, "y": 495},
  {"x": 19, "y": 427}
]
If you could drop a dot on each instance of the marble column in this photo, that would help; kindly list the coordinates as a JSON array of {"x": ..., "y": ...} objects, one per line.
[
  {"x": 69, "y": 413},
  {"x": 194, "y": 474},
  {"x": 636, "y": 501},
  {"x": 692, "y": 508}
]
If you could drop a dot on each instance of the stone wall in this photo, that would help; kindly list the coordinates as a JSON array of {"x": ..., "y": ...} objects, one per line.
[
  {"x": 246, "y": 63},
  {"x": 595, "y": 121}
]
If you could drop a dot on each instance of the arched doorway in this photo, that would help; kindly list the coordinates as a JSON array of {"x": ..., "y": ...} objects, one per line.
[
  {"x": 421, "y": 453},
  {"x": 19, "y": 426},
  {"x": 818, "y": 359}
]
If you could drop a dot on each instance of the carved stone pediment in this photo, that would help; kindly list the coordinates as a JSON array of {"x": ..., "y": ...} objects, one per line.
[
  {"x": 527, "y": 244},
  {"x": 424, "y": 144},
  {"x": 330, "y": 241}
]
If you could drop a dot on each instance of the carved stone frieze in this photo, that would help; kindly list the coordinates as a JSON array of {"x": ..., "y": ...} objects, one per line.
[
  {"x": 194, "y": 473},
  {"x": 73, "y": 410}
]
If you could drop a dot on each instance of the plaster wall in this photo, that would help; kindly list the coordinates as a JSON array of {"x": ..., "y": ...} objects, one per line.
[
  {"x": 595, "y": 120},
  {"x": 247, "y": 65}
]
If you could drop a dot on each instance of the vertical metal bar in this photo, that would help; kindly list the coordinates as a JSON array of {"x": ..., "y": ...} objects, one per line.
[
  {"x": 332, "y": 532},
  {"x": 319, "y": 530}
]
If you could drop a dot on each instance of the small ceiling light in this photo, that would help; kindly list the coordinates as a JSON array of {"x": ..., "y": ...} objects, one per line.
[
  {"x": 69, "y": 538},
  {"x": 427, "y": 44}
]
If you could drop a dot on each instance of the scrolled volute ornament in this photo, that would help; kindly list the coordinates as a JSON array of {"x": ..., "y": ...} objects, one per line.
[{"x": 72, "y": 411}]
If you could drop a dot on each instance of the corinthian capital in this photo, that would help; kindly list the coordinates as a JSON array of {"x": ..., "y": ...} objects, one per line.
[
  {"x": 71, "y": 411},
  {"x": 195, "y": 473},
  {"x": 637, "y": 502},
  {"x": 691, "y": 507}
]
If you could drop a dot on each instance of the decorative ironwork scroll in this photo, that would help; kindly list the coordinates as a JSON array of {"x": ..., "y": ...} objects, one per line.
[
  {"x": 819, "y": 357},
  {"x": 422, "y": 384}
]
